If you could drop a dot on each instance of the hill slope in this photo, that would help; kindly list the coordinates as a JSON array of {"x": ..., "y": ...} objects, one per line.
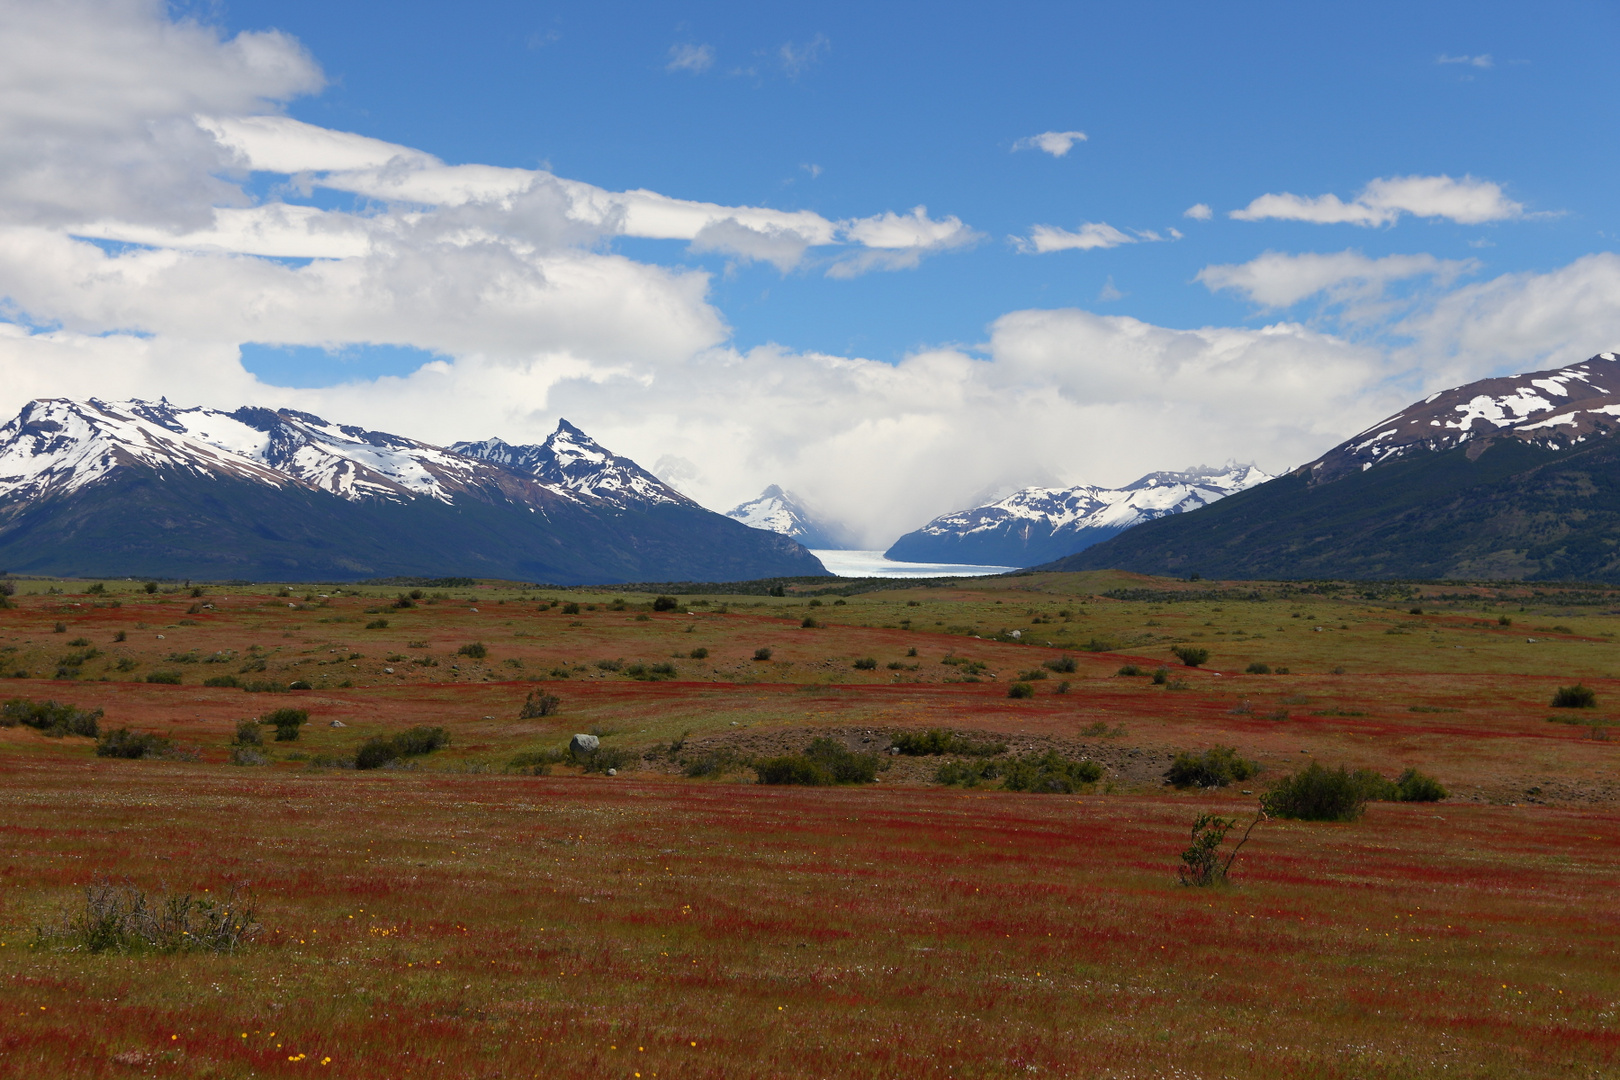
[{"x": 1515, "y": 478}]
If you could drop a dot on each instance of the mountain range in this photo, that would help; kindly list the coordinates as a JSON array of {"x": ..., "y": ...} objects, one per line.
[
  {"x": 778, "y": 511},
  {"x": 1036, "y": 525},
  {"x": 1504, "y": 478},
  {"x": 140, "y": 488}
]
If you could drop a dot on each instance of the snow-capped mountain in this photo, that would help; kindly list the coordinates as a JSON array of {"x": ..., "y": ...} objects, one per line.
[
  {"x": 1502, "y": 479},
  {"x": 1554, "y": 409},
  {"x": 573, "y": 461},
  {"x": 1037, "y": 525},
  {"x": 141, "y": 487},
  {"x": 778, "y": 511}
]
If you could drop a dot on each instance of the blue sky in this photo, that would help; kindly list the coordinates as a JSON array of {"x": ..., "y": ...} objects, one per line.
[
  {"x": 1155, "y": 235},
  {"x": 895, "y": 105}
]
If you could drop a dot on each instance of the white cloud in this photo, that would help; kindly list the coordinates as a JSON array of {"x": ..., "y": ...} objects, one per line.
[
  {"x": 1279, "y": 280},
  {"x": 1109, "y": 292},
  {"x": 95, "y": 107},
  {"x": 694, "y": 59},
  {"x": 797, "y": 59},
  {"x": 1198, "y": 212},
  {"x": 1092, "y": 234},
  {"x": 1467, "y": 201},
  {"x": 1481, "y": 61},
  {"x": 1056, "y": 143}
]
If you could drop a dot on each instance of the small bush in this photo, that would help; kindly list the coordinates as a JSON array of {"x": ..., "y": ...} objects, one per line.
[
  {"x": 55, "y": 720},
  {"x": 1049, "y": 773},
  {"x": 150, "y": 587},
  {"x": 1063, "y": 665},
  {"x": 1257, "y": 668},
  {"x": 286, "y": 722},
  {"x": 1161, "y": 676},
  {"x": 826, "y": 762},
  {"x": 699, "y": 653},
  {"x": 570, "y": 609},
  {"x": 809, "y": 624},
  {"x": 1097, "y": 644},
  {"x": 260, "y": 686},
  {"x": 604, "y": 758},
  {"x": 247, "y": 733},
  {"x": 1318, "y": 793},
  {"x": 122, "y": 918},
  {"x": 1216, "y": 767},
  {"x": 124, "y": 743},
  {"x": 474, "y": 649},
  {"x": 865, "y": 663},
  {"x": 1021, "y": 690},
  {"x": 1413, "y": 786},
  {"x": 1575, "y": 697},
  {"x": 299, "y": 684},
  {"x": 167, "y": 678},
  {"x": 1190, "y": 655},
  {"x": 966, "y": 773},
  {"x": 712, "y": 763},
  {"x": 762, "y": 654},
  {"x": 938, "y": 741},
  {"x": 376, "y": 752},
  {"x": 665, "y": 603},
  {"x": 377, "y": 624},
  {"x": 1202, "y": 864},
  {"x": 223, "y": 680},
  {"x": 537, "y": 705},
  {"x": 1130, "y": 669}
]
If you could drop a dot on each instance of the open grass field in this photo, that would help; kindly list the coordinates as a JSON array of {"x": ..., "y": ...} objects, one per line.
[{"x": 459, "y": 917}]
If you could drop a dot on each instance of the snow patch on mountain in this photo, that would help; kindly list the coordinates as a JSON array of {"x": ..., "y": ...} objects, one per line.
[
  {"x": 1555, "y": 409},
  {"x": 1037, "y": 525},
  {"x": 571, "y": 461},
  {"x": 778, "y": 511}
]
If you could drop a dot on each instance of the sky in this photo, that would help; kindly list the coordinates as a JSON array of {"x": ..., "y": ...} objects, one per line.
[{"x": 896, "y": 258}]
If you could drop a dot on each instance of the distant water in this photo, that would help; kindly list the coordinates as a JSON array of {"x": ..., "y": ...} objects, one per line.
[{"x": 873, "y": 564}]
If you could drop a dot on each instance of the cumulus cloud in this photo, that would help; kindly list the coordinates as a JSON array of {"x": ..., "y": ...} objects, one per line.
[
  {"x": 1467, "y": 201},
  {"x": 1044, "y": 239},
  {"x": 96, "y": 100},
  {"x": 694, "y": 59},
  {"x": 1056, "y": 143},
  {"x": 1279, "y": 280},
  {"x": 1198, "y": 212}
]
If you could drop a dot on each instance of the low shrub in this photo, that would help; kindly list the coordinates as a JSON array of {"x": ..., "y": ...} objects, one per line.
[
  {"x": 825, "y": 762},
  {"x": 261, "y": 686},
  {"x": 538, "y": 704},
  {"x": 1575, "y": 697},
  {"x": 1215, "y": 767},
  {"x": 124, "y": 743},
  {"x": 1021, "y": 690},
  {"x": 299, "y": 684},
  {"x": 1049, "y": 773},
  {"x": 1257, "y": 668},
  {"x": 473, "y": 649},
  {"x": 1414, "y": 786},
  {"x": 122, "y": 918},
  {"x": 537, "y": 762},
  {"x": 762, "y": 654},
  {"x": 712, "y": 763},
  {"x": 1063, "y": 665},
  {"x": 604, "y": 758},
  {"x": 1130, "y": 670},
  {"x": 376, "y": 752},
  {"x": 665, "y": 603},
  {"x": 222, "y": 680},
  {"x": 286, "y": 722},
  {"x": 1098, "y": 644},
  {"x": 938, "y": 741},
  {"x": 54, "y": 719},
  {"x": 1190, "y": 655},
  {"x": 1202, "y": 864},
  {"x": 966, "y": 773},
  {"x": 377, "y": 624},
  {"x": 1034, "y": 675},
  {"x": 167, "y": 678},
  {"x": 865, "y": 663},
  {"x": 1318, "y": 793},
  {"x": 699, "y": 653},
  {"x": 809, "y": 624}
]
